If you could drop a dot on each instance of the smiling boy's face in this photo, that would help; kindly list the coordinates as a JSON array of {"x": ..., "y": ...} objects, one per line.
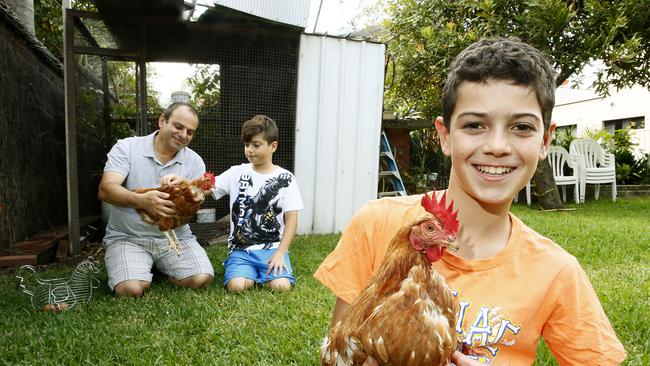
[{"x": 495, "y": 139}]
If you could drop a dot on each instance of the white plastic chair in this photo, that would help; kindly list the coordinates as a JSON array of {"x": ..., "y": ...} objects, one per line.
[
  {"x": 595, "y": 166},
  {"x": 558, "y": 157}
]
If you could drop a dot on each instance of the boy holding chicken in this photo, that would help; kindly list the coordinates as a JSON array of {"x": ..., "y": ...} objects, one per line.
[
  {"x": 264, "y": 205},
  {"x": 512, "y": 284}
]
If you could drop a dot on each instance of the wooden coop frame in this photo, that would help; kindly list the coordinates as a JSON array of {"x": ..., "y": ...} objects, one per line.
[{"x": 141, "y": 26}]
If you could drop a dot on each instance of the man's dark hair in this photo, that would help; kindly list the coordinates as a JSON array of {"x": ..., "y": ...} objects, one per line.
[
  {"x": 172, "y": 107},
  {"x": 259, "y": 124},
  {"x": 501, "y": 59}
]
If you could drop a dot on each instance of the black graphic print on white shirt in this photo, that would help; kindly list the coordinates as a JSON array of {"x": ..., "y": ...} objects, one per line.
[{"x": 255, "y": 217}]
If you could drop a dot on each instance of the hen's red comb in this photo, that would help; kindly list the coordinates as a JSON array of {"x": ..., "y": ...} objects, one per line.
[
  {"x": 441, "y": 211},
  {"x": 210, "y": 176}
]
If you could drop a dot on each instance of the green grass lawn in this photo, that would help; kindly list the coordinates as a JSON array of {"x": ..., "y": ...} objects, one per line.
[{"x": 175, "y": 326}]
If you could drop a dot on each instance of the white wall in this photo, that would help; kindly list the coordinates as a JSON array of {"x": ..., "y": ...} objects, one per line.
[
  {"x": 338, "y": 123},
  {"x": 590, "y": 111}
]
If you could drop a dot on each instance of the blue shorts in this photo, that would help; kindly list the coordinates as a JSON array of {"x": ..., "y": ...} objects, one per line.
[{"x": 253, "y": 264}]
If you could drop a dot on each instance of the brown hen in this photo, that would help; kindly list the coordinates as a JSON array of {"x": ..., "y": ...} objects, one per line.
[
  {"x": 407, "y": 313},
  {"x": 187, "y": 198}
]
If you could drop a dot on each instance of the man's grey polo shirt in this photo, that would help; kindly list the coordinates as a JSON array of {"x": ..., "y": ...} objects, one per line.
[{"x": 134, "y": 157}]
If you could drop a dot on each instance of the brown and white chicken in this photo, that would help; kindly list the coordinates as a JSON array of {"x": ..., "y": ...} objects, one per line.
[
  {"x": 407, "y": 313},
  {"x": 187, "y": 198}
]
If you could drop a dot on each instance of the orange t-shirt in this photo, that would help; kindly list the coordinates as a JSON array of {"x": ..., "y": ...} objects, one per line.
[{"x": 531, "y": 288}]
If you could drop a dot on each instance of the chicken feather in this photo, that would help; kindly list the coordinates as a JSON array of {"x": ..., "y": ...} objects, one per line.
[
  {"x": 187, "y": 198},
  {"x": 407, "y": 313}
]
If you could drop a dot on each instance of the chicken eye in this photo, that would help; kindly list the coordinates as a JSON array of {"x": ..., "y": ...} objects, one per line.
[{"x": 431, "y": 227}]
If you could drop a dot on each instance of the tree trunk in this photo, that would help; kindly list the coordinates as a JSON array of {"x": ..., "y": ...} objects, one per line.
[
  {"x": 546, "y": 191},
  {"x": 545, "y": 188}
]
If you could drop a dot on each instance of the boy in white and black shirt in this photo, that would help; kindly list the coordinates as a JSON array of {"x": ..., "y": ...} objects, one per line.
[{"x": 264, "y": 200}]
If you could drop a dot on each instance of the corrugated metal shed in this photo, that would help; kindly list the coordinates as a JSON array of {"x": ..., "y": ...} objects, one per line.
[
  {"x": 293, "y": 12},
  {"x": 338, "y": 124}
]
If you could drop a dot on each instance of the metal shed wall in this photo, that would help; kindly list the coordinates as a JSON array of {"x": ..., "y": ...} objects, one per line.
[
  {"x": 338, "y": 124},
  {"x": 294, "y": 12}
]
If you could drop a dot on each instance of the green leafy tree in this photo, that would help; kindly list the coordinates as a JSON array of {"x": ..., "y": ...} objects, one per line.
[
  {"x": 48, "y": 22},
  {"x": 426, "y": 35},
  {"x": 121, "y": 74},
  {"x": 206, "y": 87},
  {"x": 122, "y": 85}
]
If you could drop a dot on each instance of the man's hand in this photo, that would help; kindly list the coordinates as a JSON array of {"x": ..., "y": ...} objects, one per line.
[
  {"x": 172, "y": 180},
  {"x": 156, "y": 203}
]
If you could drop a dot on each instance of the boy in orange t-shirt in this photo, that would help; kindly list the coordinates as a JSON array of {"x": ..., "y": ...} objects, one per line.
[{"x": 512, "y": 284}]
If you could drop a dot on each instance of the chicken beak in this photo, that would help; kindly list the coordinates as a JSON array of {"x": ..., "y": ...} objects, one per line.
[{"x": 451, "y": 244}]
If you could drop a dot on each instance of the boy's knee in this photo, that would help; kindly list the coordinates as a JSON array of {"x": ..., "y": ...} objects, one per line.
[
  {"x": 279, "y": 284},
  {"x": 239, "y": 284},
  {"x": 196, "y": 281},
  {"x": 131, "y": 288}
]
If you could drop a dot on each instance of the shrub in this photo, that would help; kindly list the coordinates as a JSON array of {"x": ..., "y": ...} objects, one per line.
[
  {"x": 641, "y": 171},
  {"x": 428, "y": 158},
  {"x": 563, "y": 138}
]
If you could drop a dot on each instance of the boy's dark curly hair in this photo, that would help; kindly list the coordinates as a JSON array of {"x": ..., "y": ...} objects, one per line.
[
  {"x": 259, "y": 124},
  {"x": 501, "y": 59}
]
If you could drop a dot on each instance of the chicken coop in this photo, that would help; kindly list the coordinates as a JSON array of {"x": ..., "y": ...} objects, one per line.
[{"x": 325, "y": 94}]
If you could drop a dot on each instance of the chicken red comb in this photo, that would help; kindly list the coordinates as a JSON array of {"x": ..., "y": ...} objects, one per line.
[
  {"x": 447, "y": 217},
  {"x": 210, "y": 176}
]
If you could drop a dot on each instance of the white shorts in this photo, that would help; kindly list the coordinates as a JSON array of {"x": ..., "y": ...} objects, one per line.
[{"x": 131, "y": 258}]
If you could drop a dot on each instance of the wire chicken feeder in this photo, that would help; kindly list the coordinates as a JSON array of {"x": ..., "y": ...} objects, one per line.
[{"x": 59, "y": 294}]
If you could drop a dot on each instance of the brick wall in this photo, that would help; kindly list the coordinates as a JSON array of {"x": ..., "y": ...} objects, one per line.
[{"x": 400, "y": 141}]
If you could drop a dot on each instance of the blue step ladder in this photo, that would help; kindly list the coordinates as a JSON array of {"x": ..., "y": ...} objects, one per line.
[{"x": 388, "y": 171}]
